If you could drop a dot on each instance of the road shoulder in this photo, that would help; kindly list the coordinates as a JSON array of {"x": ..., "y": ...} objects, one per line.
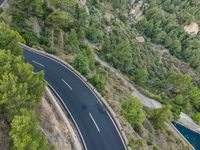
[{"x": 56, "y": 125}]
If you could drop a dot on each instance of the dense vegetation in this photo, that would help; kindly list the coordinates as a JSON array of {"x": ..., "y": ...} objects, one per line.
[
  {"x": 65, "y": 26},
  {"x": 70, "y": 28},
  {"x": 132, "y": 110},
  {"x": 20, "y": 91},
  {"x": 163, "y": 23}
]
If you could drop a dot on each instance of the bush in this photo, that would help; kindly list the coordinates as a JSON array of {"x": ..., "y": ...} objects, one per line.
[
  {"x": 98, "y": 81},
  {"x": 31, "y": 38},
  {"x": 1, "y": 10},
  {"x": 196, "y": 118},
  {"x": 51, "y": 50},
  {"x": 94, "y": 34},
  {"x": 132, "y": 111},
  {"x": 161, "y": 116},
  {"x": 25, "y": 132},
  {"x": 81, "y": 64}
]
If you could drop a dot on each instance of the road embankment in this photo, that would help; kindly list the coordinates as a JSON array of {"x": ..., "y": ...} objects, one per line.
[{"x": 63, "y": 125}]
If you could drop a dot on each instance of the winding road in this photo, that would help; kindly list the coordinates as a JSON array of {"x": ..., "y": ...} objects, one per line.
[{"x": 94, "y": 124}]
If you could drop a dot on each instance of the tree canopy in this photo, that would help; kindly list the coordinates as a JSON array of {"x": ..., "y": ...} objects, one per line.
[
  {"x": 132, "y": 111},
  {"x": 26, "y": 133},
  {"x": 9, "y": 39},
  {"x": 20, "y": 92}
]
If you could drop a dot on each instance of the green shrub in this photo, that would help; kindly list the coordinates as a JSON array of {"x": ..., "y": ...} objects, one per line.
[
  {"x": 132, "y": 111},
  {"x": 81, "y": 64},
  {"x": 98, "y": 82},
  {"x": 196, "y": 118},
  {"x": 51, "y": 50}
]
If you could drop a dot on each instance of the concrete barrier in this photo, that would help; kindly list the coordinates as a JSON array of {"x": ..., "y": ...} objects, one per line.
[{"x": 110, "y": 112}]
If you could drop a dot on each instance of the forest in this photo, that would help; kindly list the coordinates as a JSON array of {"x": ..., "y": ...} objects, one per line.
[
  {"x": 107, "y": 29},
  {"x": 20, "y": 92}
]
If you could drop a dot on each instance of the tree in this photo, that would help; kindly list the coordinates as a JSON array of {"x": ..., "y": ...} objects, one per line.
[
  {"x": 178, "y": 82},
  {"x": 9, "y": 39},
  {"x": 1, "y": 10},
  {"x": 81, "y": 17},
  {"x": 89, "y": 53},
  {"x": 73, "y": 41},
  {"x": 106, "y": 45},
  {"x": 161, "y": 116},
  {"x": 141, "y": 76},
  {"x": 98, "y": 81},
  {"x": 27, "y": 7},
  {"x": 19, "y": 87},
  {"x": 122, "y": 57},
  {"x": 25, "y": 132},
  {"x": 62, "y": 4},
  {"x": 175, "y": 46},
  {"x": 20, "y": 91},
  {"x": 81, "y": 64},
  {"x": 196, "y": 117},
  {"x": 59, "y": 19},
  {"x": 185, "y": 18},
  {"x": 153, "y": 13},
  {"x": 81, "y": 35},
  {"x": 93, "y": 33},
  {"x": 132, "y": 111},
  {"x": 168, "y": 41},
  {"x": 179, "y": 99},
  {"x": 159, "y": 36},
  {"x": 194, "y": 97}
]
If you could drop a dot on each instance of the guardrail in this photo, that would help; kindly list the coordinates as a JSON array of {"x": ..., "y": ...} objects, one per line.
[{"x": 111, "y": 113}]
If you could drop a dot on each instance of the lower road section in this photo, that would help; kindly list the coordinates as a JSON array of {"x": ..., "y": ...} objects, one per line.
[
  {"x": 94, "y": 124},
  {"x": 192, "y": 137}
]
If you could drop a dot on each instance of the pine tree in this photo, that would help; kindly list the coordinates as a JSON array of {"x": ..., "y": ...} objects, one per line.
[{"x": 25, "y": 132}]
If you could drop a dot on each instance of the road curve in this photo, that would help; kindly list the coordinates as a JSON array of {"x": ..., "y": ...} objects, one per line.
[{"x": 94, "y": 124}]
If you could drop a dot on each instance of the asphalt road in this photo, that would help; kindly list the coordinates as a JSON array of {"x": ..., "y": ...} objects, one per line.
[
  {"x": 1, "y": 1},
  {"x": 95, "y": 126}
]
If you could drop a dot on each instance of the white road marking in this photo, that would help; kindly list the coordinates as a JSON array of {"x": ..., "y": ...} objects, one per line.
[
  {"x": 69, "y": 114},
  {"x": 67, "y": 84},
  {"x": 38, "y": 63},
  {"x": 94, "y": 122},
  {"x": 55, "y": 60}
]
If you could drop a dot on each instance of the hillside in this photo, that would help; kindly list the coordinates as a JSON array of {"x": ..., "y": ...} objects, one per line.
[{"x": 151, "y": 42}]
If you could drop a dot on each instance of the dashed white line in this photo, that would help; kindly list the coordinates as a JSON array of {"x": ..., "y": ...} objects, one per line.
[
  {"x": 38, "y": 63},
  {"x": 85, "y": 146},
  {"x": 55, "y": 60},
  {"x": 94, "y": 122},
  {"x": 67, "y": 84}
]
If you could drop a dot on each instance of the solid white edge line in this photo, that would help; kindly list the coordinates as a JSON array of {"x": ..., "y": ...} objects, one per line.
[
  {"x": 95, "y": 96},
  {"x": 37, "y": 63},
  {"x": 69, "y": 114},
  {"x": 67, "y": 84},
  {"x": 69, "y": 69},
  {"x": 54, "y": 59},
  {"x": 116, "y": 129},
  {"x": 94, "y": 122}
]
